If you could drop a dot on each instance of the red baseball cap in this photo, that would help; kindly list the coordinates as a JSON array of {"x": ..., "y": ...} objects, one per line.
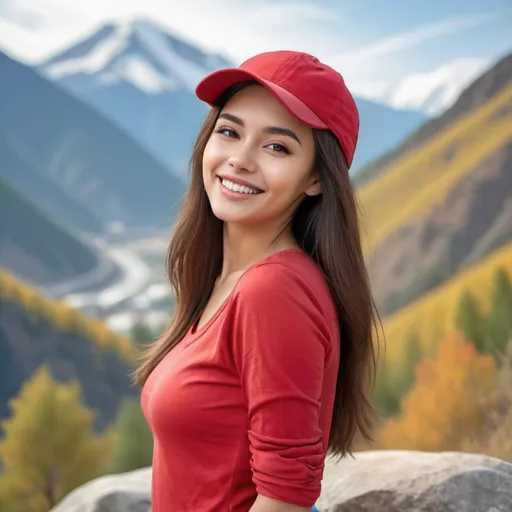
[{"x": 313, "y": 92}]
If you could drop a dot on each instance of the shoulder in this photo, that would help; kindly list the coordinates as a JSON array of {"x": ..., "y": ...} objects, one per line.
[
  {"x": 283, "y": 303},
  {"x": 286, "y": 279}
]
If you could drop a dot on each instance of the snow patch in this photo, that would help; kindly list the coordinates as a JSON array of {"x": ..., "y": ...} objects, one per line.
[
  {"x": 97, "y": 59},
  {"x": 438, "y": 90},
  {"x": 144, "y": 76},
  {"x": 156, "y": 43}
]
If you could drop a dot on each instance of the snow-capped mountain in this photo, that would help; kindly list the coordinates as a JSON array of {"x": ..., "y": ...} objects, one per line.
[
  {"x": 139, "y": 52},
  {"x": 142, "y": 76},
  {"x": 435, "y": 92}
]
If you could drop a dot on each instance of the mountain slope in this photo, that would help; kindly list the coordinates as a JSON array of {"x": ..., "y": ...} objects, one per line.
[
  {"x": 35, "y": 330},
  {"x": 420, "y": 180},
  {"x": 433, "y": 315},
  {"x": 35, "y": 247},
  {"x": 143, "y": 77},
  {"x": 94, "y": 163},
  {"x": 445, "y": 204},
  {"x": 485, "y": 87},
  {"x": 44, "y": 192},
  {"x": 473, "y": 220}
]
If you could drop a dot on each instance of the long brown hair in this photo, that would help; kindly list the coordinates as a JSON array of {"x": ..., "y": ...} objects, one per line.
[{"x": 327, "y": 228}]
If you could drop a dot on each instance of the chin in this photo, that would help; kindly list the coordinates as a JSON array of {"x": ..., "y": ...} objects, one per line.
[{"x": 227, "y": 214}]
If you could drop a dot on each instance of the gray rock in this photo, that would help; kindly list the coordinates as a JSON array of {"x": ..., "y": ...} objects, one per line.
[
  {"x": 372, "y": 481},
  {"x": 411, "y": 481},
  {"x": 127, "y": 492}
]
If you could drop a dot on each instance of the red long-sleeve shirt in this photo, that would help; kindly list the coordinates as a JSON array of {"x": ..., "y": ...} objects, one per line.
[{"x": 244, "y": 404}]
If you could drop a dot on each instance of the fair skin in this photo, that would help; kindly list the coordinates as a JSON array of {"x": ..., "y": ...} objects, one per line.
[{"x": 258, "y": 141}]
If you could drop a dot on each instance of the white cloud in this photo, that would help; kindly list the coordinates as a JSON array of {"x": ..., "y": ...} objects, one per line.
[
  {"x": 16, "y": 13},
  {"x": 372, "y": 70},
  {"x": 237, "y": 29},
  {"x": 412, "y": 38}
]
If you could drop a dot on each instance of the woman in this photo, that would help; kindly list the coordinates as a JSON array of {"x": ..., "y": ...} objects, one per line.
[{"x": 268, "y": 363}]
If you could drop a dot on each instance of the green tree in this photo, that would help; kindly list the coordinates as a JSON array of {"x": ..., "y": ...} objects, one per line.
[
  {"x": 470, "y": 321},
  {"x": 391, "y": 386},
  {"x": 498, "y": 324},
  {"x": 134, "y": 439},
  {"x": 49, "y": 447},
  {"x": 385, "y": 397}
]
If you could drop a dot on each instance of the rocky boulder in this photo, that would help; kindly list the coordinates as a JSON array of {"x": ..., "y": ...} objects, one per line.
[
  {"x": 372, "y": 481},
  {"x": 409, "y": 481},
  {"x": 127, "y": 492}
]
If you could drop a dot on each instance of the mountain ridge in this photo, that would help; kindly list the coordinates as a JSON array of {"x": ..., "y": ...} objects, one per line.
[
  {"x": 37, "y": 248},
  {"x": 445, "y": 204},
  {"x": 472, "y": 221},
  {"x": 422, "y": 178},
  {"x": 144, "y": 80},
  {"x": 95, "y": 163},
  {"x": 485, "y": 86},
  {"x": 44, "y": 192},
  {"x": 434, "y": 92}
]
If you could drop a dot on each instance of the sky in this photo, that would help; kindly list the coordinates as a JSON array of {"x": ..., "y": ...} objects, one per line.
[{"x": 375, "y": 44}]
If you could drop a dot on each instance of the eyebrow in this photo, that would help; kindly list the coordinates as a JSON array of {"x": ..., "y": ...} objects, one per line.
[{"x": 269, "y": 129}]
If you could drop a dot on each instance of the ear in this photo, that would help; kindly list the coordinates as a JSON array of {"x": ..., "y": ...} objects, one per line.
[{"x": 314, "y": 187}]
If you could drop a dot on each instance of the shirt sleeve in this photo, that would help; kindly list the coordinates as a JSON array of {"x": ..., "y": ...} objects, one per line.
[{"x": 280, "y": 343}]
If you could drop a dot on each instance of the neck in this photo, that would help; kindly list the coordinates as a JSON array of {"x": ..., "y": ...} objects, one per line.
[{"x": 244, "y": 246}]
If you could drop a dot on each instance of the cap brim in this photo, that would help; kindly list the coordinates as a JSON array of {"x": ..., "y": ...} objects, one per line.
[{"x": 213, "y": 85}]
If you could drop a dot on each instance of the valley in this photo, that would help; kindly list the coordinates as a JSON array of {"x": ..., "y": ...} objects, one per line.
[{"x": 141, "y": 294}]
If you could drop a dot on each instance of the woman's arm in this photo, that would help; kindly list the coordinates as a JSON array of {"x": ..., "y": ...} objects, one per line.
[
  {"x": 282, "y": 338},
  {"x": 265, "y": 504}
]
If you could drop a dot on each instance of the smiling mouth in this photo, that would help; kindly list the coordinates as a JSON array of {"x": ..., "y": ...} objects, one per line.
[{"x": 241, "y": 189}]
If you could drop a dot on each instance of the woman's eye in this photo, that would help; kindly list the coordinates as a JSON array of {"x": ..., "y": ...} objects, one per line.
[
  {"x": 227, "y": 132},
  {"x": 278, "y": 148}
]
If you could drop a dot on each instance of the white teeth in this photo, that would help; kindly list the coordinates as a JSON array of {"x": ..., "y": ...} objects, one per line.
[{"x": 235, "y": 187}]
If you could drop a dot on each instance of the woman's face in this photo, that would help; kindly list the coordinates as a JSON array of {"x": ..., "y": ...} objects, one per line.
[{"x": 257, "y": 163}]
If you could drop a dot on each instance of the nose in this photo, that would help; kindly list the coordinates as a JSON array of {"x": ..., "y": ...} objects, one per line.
[{"x": 242, "y": 161}]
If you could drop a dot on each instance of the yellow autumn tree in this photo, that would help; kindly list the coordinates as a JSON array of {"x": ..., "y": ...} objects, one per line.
[
  {"x": 448, "y": 401},
  {"x": 49, "y": 446}
]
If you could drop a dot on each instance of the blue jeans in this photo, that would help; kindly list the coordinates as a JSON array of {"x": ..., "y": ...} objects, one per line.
[{"x": 314, "y": 509}]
